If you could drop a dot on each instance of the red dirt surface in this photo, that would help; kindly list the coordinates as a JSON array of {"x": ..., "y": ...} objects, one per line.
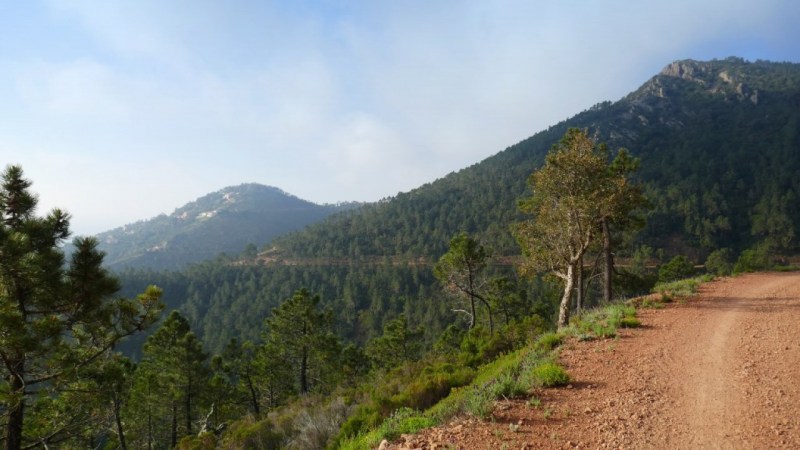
[{"x": 718, "y": 370}]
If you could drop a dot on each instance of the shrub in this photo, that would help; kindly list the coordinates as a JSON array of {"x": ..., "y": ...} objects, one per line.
[
  {"x": 548, "y": 374},
  {"x": 507, "y": 386},
  {"x": 754, "y": 259},
  {"x": 677, "y": 268},
  {"x": 719, "y": 262},
  {"x": 250, "y": 434},
  {"x": 631, "y": 284},
  {"x": 680, "y": 288},
  {"x": 548, "y": 342},
  {"x": 602, "y": 322},
  {"x": 630, "y": 322},
  {"x": 365, "y": 417},
  {"x": 479, "y": 403},
  {"x": 404, "y": 421},
  {"x": 435, "y": 383},
  {"x": 316, "y": 427},
  {"x": 205, "y": 441}
]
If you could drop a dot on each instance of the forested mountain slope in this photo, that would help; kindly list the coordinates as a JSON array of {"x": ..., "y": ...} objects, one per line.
[
  {"x": 719, "y": 145},
  {"x": 224, "y": 221}
]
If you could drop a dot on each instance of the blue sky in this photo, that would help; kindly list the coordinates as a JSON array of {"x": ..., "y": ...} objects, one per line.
[{"x": 122, "y": 110}]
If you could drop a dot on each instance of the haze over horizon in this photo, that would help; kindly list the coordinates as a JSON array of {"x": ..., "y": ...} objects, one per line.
[{"x": 120, "y": 111}]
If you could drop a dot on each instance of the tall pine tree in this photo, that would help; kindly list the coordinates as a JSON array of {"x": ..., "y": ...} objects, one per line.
[{"x": 56, "y": 320}]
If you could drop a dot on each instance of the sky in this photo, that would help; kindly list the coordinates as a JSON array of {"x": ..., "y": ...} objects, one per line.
[{"x": 119, "y": 111}]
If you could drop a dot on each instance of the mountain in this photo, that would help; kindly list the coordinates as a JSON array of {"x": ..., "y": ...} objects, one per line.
[
  {"x": 719, "y": 143},
  {"x": 223, "y": 221}
]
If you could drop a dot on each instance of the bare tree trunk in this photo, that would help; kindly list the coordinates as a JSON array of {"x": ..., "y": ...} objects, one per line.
[
  {"x": 489, "y": 309},
  {"x": 118, "y": 420},
  {"x": 580, "y": 292},
  {"x": 188, "y": 406},
  {"x": 16, "y": 415},
  {"x": 608, "y": 262},
  {"x": 472, "y": 311},
  {"x": 563, "y": 310},
  {"x": 253, "y": 397},
  {"x": 174, "y": 437},
  {"x": 150, "y": 437},
  {"x": 303, "y": 371}
]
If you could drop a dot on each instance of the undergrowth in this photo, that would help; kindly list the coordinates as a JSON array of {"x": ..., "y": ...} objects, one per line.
[
  {"x": 603, "y": 322},
  {"x": 513, "y": 374},
  {"x": 681, "y": 288}
]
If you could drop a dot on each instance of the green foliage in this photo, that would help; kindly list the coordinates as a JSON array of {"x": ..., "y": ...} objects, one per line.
[
  {"x": 169, "y": 386},
  {"x": 435, "y": 383},
  {"x": 548, "y": 374},
  {"x": 247, "y": 433},
  {"x": 719, "y": 262},
  {"x": 403, "y": 421},
  {"x": 399, "y": 343},
  {"x": 462, "y": 271},
  {"x": 754, "y": 259},
  {"x": 548, "y": 342},
  {"x": 479, "y": 346},
  {"x": 680, "y": 288},
  {"x": 59, "y": 321},
  {"x": 205, "y": 441},
  {"x": 573, "y": 193},
  {"x": 604, "y": 322},
  {"x": 479, "y": 402},
  {"x": 629, "y": 322},
  {"x": 303, "y": 339},
  {"x": 631, "y": 284},
  {"x": 677, "y": 268}
]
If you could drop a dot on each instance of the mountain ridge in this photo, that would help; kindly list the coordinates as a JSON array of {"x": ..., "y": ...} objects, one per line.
[
  {"x": 223, "y": 221},
  {"x": 706, "y": 110}
]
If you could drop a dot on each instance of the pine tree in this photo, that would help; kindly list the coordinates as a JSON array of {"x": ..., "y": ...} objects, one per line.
[
  {"x": 56, "y": 321},
  {"x": 303, "y": 336},
  {"x": 172, "y": 378},
  {"x": 238, "y": 363},
  {"x": 462, "y": 271},
  {"x": 398, "y": 343}
]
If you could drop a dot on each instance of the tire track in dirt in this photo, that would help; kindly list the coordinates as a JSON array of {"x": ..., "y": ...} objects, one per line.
[{"x": 727, "y": 387}]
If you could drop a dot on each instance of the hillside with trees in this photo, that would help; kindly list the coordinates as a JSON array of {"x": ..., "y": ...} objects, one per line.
[
  {"x": 716, "y": 149},
  {"x": 717, "y": 142}
]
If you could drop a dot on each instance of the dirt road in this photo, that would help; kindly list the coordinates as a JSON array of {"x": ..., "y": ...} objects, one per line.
[{"x": 720, "y": 370}]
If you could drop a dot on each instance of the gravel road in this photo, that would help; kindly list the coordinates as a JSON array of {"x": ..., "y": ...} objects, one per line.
[{"x": 718, "y": 370}]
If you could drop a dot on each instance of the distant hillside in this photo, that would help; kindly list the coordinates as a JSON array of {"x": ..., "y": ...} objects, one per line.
[
  {"x": 224, "y": 221},
  {"x": 719, "y": 143}
]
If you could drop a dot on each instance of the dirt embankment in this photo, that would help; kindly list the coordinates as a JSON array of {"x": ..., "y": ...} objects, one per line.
[{"x": 720, "y": 370}]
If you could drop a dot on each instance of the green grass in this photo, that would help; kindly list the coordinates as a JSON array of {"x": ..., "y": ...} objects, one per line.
[
  {"x": 630, "y": 322},
  {"x": 681, "y": 288},
  {"x": 547, "y": 374},
  {"x": 403, "y": 421},
  {"x": 548, "y": 342},
  {"x": 603, "y": 322}
]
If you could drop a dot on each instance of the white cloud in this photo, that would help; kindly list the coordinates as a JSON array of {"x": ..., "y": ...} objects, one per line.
[{"x": 331, "y": 102}]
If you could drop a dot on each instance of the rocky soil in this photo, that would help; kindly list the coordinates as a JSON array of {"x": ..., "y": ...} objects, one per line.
[{"x": 718, "y": 370}]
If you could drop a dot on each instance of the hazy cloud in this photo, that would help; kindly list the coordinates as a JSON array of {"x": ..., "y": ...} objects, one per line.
[{"x": 156, "y": 103}]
